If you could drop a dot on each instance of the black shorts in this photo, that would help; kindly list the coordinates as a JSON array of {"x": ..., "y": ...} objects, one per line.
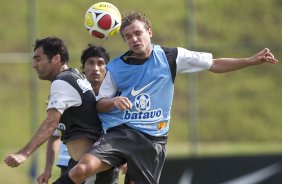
[{"x": 144, "y": 156}]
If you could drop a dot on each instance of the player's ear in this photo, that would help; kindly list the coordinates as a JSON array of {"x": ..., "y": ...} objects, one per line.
[
  {"x": 150, "y": 32},
  {"x": 57, "y": 58}
]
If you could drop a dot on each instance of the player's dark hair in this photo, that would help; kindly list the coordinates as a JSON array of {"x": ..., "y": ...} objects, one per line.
[
  {"x": 52, "y": 46},
  {"x": 94, "y": 51},
  {"x": 130, "y": 17}
]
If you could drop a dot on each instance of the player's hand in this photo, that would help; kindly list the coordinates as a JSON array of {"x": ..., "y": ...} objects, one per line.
[
  {"x": 44, "y": 177},
  {"x": 15, "y": 159},
  {"x": 263, "y": 56},
  {"x": 122, "y": 103}
]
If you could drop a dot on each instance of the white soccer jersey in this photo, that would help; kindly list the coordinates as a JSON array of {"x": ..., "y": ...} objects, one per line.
[{"x": 63, "y": 96}]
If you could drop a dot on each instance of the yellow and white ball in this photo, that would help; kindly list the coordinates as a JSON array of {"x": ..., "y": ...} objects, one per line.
[{"x": 102, "y": 20}]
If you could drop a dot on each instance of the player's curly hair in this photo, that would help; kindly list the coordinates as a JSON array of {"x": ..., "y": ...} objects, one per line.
[
  {"x": 130, "y": 17},
  {"x": 52, "y": 46}
]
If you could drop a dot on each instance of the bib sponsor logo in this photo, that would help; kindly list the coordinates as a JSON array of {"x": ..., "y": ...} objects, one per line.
[
  {"x": 61, "y": 127},
  {"x": 53, "y": 102},
  {"x": 137, "y": 92},
  {"x": 142, "y": 102},
  {"x": 142, "y": 105},
  {"x": 162, "y": 125},
  {"x": 152, "y": 115},
  {"x": 84, "y": 84}
]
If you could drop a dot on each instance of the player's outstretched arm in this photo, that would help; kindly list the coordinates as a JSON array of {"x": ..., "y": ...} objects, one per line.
[
  {"x": 44, "y": 132},
  {"x": 222, "y": 65}
]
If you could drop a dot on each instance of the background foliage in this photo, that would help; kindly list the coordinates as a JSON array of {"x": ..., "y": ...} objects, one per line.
[{"x": 242, "y": 107}]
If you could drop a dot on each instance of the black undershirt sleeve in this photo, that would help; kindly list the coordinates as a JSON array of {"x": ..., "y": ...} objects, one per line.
[{"x": 171, "y": 55}]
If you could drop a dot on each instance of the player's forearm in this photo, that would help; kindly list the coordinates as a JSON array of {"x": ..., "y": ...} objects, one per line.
[
  {"x": 105, "y": 104},
  {"x": 222, "y": 65},
  {"x": 52, "y": 150},
  {"x": 49, "y": 162},
  {"x": 44, "y": 132}
]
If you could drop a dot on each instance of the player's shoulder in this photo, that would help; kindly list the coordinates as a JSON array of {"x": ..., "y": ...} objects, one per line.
[
  {"x": 170, "y": 51},
  {"x": 68, "y": 74}
]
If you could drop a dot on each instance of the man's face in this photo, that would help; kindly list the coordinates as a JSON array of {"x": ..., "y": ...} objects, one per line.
[
  {"x": 95, "y": 70},
  {"x": 138, "y": 39},
  {"x": 44, "y": 67}
]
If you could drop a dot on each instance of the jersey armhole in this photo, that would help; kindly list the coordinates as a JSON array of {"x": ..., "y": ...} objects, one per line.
[{"x": 171, "y": 55}]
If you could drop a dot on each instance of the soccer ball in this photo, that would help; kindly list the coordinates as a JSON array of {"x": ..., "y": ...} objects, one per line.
[{"x": 102, "y": 20}]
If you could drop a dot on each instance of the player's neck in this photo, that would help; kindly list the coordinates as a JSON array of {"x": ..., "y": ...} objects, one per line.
[
  {"x": 143, "y": 55},
  {"x": 96, "y": 88},
  {"x": 64, "y": 67}
]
